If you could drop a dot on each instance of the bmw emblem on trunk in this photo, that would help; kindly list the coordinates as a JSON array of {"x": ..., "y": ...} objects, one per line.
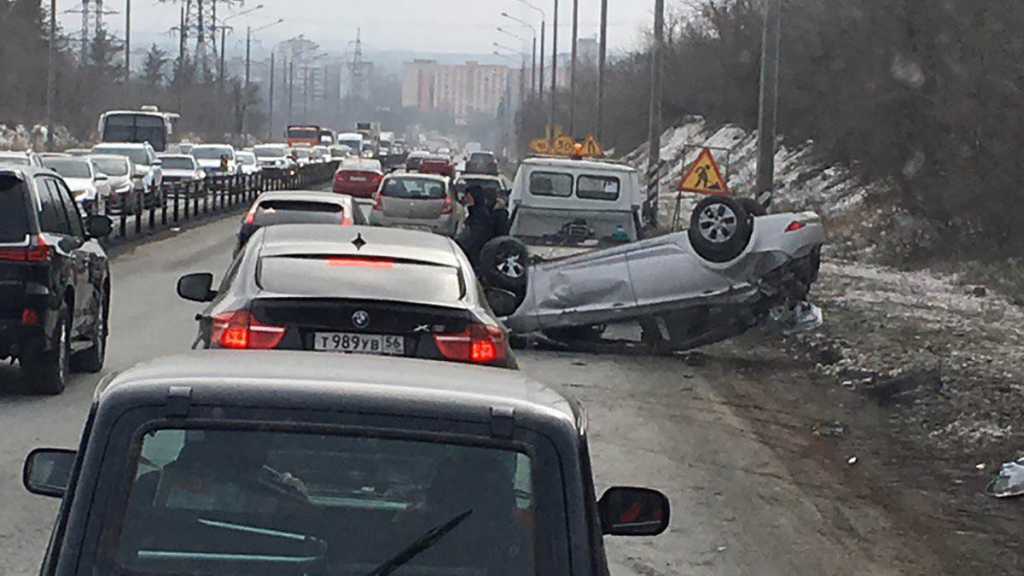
[{"x": 360, "y": 319}]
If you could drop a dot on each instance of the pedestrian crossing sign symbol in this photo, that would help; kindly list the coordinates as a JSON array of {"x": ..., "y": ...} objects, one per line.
[{"x": 704, "y": 177}]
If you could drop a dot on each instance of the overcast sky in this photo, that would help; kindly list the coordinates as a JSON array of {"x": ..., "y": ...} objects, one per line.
[{"x": 461, "y": 26}]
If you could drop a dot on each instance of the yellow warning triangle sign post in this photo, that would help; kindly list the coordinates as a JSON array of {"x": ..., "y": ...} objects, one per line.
[{"x": 704, "y": 177}]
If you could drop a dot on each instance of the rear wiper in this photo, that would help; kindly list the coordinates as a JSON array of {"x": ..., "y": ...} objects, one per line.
[{"x": 421, "y": 544}]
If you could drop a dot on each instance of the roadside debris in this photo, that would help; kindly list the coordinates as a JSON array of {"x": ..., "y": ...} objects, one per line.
[
  {"x": 852, "y": 460},
  {"x": 834, "y": 429},
  {"x": 1009, "y": 482}
]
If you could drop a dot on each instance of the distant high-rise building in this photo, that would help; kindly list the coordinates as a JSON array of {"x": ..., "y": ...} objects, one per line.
[{"x": 463, "y": 90}]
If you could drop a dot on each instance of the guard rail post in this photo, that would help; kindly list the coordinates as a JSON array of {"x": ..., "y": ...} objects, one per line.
[
  {"x": 140, "y": 198},
  {"x": 205, "y": 191},
  {"x": 163, "y": 207},
  {"x": 124, "y": 217},
  {"x": 152, "y": 207},
  {"x": 177, "y": 194}
]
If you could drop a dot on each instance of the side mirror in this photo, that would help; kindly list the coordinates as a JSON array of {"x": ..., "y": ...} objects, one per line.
[
  {"x": 628, "y": 511},
  {"x": 157, "y": 162},
  {"x": 47, "y": 471},
  {"x": 503, "y": 302},
  {"x": 101, "y": 177},
  {"x": 99, "y": 226},
  {"x": 196, "y": 287}
]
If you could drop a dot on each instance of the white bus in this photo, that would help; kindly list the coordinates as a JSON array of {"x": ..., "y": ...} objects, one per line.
[{"x": 147, "y": 124}]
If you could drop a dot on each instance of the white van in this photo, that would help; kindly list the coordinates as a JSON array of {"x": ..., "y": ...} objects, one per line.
[{"x": 580, "y": 203}]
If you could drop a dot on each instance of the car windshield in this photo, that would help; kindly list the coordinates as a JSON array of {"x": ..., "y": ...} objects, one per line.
[
  {"x": 413, "y": 188},
  {"x": 361, "y": 278},
  {"x": 212, "y": 152},
  {"x": 301, "y": 152},
  {"x": 68, "y": 167},
  {"x": 240, "y": 501},
  {"x": 268, "y": 152},
  {"x": 137, "y": 155},
  {"x": 297, "y": 212},
  {"x": 245, "y": 158},
  {"x": 135, "y": 127},
  {"x": 111, "y": 166},
  {"x": 13, "y": 210},
  {"x": 178, "y": 163}
]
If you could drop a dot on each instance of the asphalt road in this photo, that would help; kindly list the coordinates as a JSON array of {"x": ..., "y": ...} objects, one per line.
[{"x": 737, "y": 509}]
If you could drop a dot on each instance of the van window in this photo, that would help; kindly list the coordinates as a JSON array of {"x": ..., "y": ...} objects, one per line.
[
  {"x": 598, "y": 187},
  {"x": 551, "y": 184}
]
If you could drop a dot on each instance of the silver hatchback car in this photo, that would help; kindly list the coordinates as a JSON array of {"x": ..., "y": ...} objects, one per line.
[{"x": 418, "y": 202}]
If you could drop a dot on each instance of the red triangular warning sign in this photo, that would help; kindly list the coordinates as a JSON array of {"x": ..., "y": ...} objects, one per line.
[{"x": 704, "y": 177}]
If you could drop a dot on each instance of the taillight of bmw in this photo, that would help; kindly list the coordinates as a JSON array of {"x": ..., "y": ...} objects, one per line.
[
  {"x": 239, "y": 330},
  {"x": 477, "y": 344},
  {"x": 448, "y": 206}
]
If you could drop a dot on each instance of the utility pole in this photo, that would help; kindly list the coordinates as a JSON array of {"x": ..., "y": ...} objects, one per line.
[
  {"x": 540, "y": 84},
  {"x": 127, "y": 44},
  {"x": 602, "y": 59},
  {"x": 223, "y": 38},
  {"x": 654, "y": 132},
  {"x": 245, "y": 92},
  {"x": 270, "y": 116},
  {"x": 305, "y": 95},
  {"x": 533, "y": 67},
  {"x": 51, "y": 75},
  {"x": 291, "y": 88},
  {"x": 769, "y": 101},
  {"x": 554, "y": 70},
  {"x": 572, "y": 68}
]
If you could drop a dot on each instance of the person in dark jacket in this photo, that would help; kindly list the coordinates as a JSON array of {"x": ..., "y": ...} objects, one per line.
[{"x": 479, "y": 226}]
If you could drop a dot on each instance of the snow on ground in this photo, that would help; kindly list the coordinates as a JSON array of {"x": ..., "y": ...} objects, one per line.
[{"x": 21, "y": 138}]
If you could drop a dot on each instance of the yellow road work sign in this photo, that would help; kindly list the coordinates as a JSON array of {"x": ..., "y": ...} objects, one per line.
[
  {"x": 704, "y": 177},
  {"x": 592, "y": 148}
]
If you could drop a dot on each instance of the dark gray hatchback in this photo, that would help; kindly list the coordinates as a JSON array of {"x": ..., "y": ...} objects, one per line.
[{"x": 275, "y": 463}]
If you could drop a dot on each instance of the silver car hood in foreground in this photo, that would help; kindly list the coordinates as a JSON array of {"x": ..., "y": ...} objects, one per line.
[{"x": 656, "y": 275}]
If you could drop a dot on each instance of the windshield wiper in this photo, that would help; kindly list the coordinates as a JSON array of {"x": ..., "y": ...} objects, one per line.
[{"x": 421, "y": 544}]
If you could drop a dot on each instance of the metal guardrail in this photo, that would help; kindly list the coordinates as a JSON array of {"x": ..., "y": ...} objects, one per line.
[{"x": 178, "y": 202}]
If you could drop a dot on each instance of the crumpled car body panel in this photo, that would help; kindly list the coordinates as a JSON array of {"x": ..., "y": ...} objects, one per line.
[{"x": 663, "y": 274}]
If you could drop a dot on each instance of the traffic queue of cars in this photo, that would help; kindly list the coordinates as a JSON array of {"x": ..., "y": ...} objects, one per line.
[{"x": 357, "y": 410}]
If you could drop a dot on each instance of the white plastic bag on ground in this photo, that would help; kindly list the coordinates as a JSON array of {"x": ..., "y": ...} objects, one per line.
[{"x": 1010, "y": 481}]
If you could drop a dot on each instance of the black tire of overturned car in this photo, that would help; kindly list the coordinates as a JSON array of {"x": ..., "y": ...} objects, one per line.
[
  {"x": 503, "y": 264},
  {"x": 720, "y": 228}
]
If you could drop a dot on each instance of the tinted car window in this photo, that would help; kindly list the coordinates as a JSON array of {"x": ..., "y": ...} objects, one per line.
[
  {"x": 372, "y": 279},
  {"x": 52, "y": 218},
  {"x": 13, "y": 214},
  {"x": 15, "y": 160},
  {"x": 297, "y": 212},
  {"x": 270, "y": 151},
  {"x": 276, "y": 499},
  {"x": 551, "y": 184},
  {"x": 413, "y": 189},
  {"x": 178, "y": 163},
  {"x": 212, "y": 152},
  {"x": 598, "y": 187},
  {"x": 74, "y": 218}
]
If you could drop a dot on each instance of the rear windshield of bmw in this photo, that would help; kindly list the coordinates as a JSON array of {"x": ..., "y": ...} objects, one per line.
[
  {"x": 386, "y": 279},
  {"x": 297, "y": 212}
]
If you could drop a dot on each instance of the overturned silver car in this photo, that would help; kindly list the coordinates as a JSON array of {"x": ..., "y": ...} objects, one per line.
[{"x": 734, "y": 269}]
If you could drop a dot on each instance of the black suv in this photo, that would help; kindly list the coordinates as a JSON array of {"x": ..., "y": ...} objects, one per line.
[
  {"x": 54, "y": 279},
  {"x": 288, "y": 463}
]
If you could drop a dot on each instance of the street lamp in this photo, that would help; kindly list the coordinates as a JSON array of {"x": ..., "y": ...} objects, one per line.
[
  {"x": 248, "y": 60},
  {"x": 223, "y": 37},
  {"x": 533, "y": 69}
]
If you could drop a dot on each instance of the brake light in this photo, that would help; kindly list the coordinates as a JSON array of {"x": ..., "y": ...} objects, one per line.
[
  {"x": 448, "y": 207},
  {"x": 795, "y": 226},
  {"x": 478, "y": 344},
  {"x": 379, "y": 204},
  {"x": 240, "y": 331},
  {"x": 361, "y": 262},
  {"x": 39, "y": 251},
  {"x": 29, "y": 317},
  {"x": 347, "y": 221}
]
